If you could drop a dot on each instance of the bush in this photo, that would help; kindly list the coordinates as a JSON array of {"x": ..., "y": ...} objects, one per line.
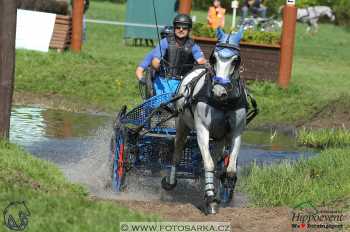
[
  {"x": 262, "y": 37},
  {"x": 50, "y": 6},
  {"x": 259, "y": 37},
  {"x": 200, "y": 29},
  {"x": 342, "y": 12}
]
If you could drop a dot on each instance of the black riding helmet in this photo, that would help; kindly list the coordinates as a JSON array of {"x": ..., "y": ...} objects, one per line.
[
  {"x": 167, "y": 30},
  {"x": 182, "y": 20}
]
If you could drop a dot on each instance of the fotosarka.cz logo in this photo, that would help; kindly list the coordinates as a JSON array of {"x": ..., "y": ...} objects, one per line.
[
  {"x": 16, "y": 216},
  {"x": 305, "y": 216}
]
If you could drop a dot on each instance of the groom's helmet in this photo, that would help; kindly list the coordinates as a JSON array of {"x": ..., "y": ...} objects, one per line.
[{"x": 167, "y": 30}]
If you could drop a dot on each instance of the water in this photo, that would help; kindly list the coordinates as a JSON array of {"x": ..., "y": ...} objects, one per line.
[
  {"x": 58, "y": 136},
  {"x": 65, "y": 137},
  {"x": 79, "y": 144}
]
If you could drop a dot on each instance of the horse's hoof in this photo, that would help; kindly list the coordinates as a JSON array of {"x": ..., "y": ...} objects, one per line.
[
  {"x": 227, "y": 188},
  {"x": 166, "y": 186},
  {"x": 226, "y": 197},
  {"x": 212, "y": 206}
]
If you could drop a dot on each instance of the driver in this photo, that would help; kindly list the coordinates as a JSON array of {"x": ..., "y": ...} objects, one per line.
[
  {"x": 146, "y": 62},
  {"x": 178, "y": 53}
]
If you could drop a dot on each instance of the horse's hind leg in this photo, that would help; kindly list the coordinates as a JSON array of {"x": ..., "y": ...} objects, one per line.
[{"x": 168, "y": 183}]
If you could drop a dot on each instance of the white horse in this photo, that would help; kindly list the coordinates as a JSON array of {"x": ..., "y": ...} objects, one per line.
[
  {"x": 214, "y": 104},
  {"x": 311, "y": 15}
]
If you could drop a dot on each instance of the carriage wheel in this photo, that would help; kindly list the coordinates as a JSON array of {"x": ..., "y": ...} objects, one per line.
[{"x": 119, "y": 153}]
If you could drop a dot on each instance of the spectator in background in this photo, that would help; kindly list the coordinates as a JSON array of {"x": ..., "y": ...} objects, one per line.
[
  {"x": 216, "y": 15},
  {"x": 256, "y": 6}
]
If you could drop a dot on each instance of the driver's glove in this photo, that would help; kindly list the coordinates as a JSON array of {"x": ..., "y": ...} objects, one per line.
[{"x": 142, "y": 80}]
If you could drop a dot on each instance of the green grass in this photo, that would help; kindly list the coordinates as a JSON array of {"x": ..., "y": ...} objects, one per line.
[
  {"x": 324, "y": 138},
  {"x": 54, "y": 204},
  {"x": 103, "y": 74},
  {"x": 106, "y": 11},
  {"x": 321, "y": 180}
]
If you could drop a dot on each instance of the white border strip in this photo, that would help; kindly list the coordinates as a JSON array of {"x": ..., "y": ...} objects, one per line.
[{"x": 122, "y": 23}]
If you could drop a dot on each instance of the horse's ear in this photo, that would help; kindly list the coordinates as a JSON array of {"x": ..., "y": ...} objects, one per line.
[
  {"x": 220, "y": 34},
  {"x": 236, "y": 38}
]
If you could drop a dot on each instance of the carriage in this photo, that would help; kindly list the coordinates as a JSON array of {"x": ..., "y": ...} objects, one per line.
[
  {"x": 143, "y": 140},
  {"x": 144, "y": 137}
]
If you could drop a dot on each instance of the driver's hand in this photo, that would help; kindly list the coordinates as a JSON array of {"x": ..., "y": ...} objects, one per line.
[{"x": 142, "y": 80}]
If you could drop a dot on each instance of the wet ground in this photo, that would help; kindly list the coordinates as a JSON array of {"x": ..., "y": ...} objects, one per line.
[{"x": 79, "y": 144}]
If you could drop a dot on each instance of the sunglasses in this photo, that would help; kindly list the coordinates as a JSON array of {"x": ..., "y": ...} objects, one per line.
[{"x": 182, "y": 27}]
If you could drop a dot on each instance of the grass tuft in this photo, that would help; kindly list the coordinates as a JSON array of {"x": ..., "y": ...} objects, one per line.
[
  {"x": 319, "y": 180},
  {"x": 324, "y": 138}
]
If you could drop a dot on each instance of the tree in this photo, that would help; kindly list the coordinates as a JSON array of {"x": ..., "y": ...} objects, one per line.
[{"x": 8, "y": 15}]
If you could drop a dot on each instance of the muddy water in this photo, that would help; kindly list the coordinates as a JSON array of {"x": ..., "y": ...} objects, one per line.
[
  {"x": 58, "y": 136},
  {"x": 79, "y": 144}
]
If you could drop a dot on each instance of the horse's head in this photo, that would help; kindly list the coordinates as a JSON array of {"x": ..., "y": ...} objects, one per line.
[
  {"x": 326, "y": 11},
  {"x": 331, "y": 15},
  {"x": 226, "y": 61}
]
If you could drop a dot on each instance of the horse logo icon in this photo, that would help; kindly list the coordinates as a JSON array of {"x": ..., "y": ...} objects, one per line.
[{"x": 16, "y": 216}]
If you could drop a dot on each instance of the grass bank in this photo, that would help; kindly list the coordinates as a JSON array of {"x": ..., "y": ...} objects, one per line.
[
  {"x": 53, "y": 202},
  {"x": 103, "y": 74},
  {"x": 324, "y": 138},
  {"x": 323, "y": 180}
]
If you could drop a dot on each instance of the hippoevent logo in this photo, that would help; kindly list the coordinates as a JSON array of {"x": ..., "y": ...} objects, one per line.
[
  {"x": 306, "y": 216},
  {"x": 16, "y": 216}
]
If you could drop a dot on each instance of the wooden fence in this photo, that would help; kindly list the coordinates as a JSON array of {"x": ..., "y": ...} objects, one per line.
[
  {"x": 62, "y": 33},
  {"x": 260, "y": 62}
]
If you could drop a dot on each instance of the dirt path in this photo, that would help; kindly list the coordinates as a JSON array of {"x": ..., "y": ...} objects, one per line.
[
  {"x": 53, "y": 101},
  {"x": 336, "y": 114},
  {"x": 241, "y": 219},
  {"x": 146, "y": 195}
]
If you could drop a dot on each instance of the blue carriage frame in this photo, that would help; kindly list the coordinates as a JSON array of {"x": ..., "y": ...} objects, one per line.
[{"x": 152, "y": 150}]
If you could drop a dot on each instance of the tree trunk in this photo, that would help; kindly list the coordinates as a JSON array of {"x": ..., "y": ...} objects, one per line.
[{"x": 8, "y": 16}]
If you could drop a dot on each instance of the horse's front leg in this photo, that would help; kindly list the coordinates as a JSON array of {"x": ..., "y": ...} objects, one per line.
[
  {"x": 203, "y": 136},
  {"x": 237, "y": 123},
  {"x": 182, "y": 131},
  {"x": 231, "y": 169}
]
